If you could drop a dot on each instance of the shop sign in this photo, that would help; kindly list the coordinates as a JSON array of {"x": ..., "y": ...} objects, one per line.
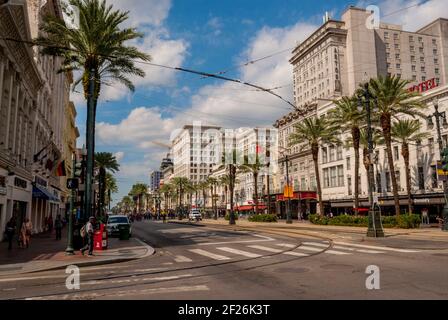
[
  {"x": 41, "y": 182},
  {"x": 424, "y": 86}
]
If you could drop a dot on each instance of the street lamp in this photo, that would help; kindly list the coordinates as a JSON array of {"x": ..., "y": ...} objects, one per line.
[
  {"x": 288, "y": 201},
  {"x": 375, "y": 228},
  {"x": 437, "y": 115}
]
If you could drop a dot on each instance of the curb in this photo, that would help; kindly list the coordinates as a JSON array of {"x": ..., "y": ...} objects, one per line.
[{"x": 149, "y": 252}]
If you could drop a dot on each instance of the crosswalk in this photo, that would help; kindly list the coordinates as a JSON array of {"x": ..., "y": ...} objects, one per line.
[{"x": 221, "y": 252}]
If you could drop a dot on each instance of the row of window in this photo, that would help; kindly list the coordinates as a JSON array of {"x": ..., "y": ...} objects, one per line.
[{"x": 331, "y": 153}]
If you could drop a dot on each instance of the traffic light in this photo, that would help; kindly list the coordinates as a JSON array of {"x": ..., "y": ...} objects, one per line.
[
  {"x": 444, "y": 159},
  {"x": 79, "y": 171}
]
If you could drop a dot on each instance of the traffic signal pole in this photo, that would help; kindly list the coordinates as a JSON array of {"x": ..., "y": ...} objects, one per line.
[{"x": 70, "y": 250}]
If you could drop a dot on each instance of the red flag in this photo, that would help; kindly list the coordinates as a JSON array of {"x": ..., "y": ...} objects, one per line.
[{"x": 60, "y": 170}]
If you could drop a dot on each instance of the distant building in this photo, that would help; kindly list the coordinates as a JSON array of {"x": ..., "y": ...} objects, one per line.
[{"x": 154, "y": 181}]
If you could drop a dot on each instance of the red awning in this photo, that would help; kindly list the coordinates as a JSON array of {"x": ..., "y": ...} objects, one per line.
[
  {"x": 362, "y": 209},
  {"x": 250, "y": 207}
]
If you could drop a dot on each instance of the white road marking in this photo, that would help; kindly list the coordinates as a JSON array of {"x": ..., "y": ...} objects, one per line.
[
  {"x": 317, "y": 244},
  {"x": 376, "y": 247},
  {"x": 297, "y": 254},
  {"x": 321, "y": 250},
  {"x": 180, "y": 230},
  {"x": 287, "y": 245},
  {"x": 124, "y": 293},
  {"x": 266, "y": 249},
  {"x": 209, "y": 254},
  {"x": 264, "y": 239},
  {"x": 182, "y": 259},
  {"x": 94, "y": 282},
  {"x": 240, "y": 252},
  {"x": 357, "y": 250}
]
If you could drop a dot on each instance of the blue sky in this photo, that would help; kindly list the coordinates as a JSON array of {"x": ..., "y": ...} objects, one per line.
[{"x": 212, "y": 36}]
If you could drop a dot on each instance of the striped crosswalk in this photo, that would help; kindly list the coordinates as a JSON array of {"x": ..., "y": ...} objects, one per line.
[{"x": 268, "y": 249}]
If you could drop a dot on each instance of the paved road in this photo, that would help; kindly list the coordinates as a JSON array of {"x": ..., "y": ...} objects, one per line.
[{"x": 193, "y": 262}]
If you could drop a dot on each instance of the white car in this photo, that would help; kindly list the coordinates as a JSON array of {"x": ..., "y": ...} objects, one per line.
[
  {"x": 195, "y": 214},
  {"x": 114, "y": 222}
]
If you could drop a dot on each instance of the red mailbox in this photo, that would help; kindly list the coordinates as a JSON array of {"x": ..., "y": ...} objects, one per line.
[{"x": 100, "y": 238}]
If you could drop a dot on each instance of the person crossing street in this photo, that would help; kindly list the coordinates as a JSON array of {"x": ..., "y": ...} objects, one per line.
[{"x": 88, "y": 232}]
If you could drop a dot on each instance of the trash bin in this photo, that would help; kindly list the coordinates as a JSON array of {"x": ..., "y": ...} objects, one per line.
[{"x": 124, "y": 232}]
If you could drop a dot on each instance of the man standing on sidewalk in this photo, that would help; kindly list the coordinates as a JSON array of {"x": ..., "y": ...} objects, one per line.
[{"x": 90, "y": 231}]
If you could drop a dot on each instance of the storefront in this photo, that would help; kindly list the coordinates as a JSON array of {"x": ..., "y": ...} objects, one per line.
[
  {"x": 3, "y": 202},
  {"x": 45, "y": 203},
  {"x": 303, "y": 203}
]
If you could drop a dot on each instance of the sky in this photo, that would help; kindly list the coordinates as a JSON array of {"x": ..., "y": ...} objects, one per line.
[{"x": 212, "y": 36}]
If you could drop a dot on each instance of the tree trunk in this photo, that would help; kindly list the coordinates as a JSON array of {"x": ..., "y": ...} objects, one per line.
[
  {"x": 385, "y": 125},
  {"x": 356, "y": 136},
  {"x": 315, "y": 152},
  {"x": 405, "y": 154},
  {"x": 256, "y": 191},
  {"x": 231, "y": 187}
]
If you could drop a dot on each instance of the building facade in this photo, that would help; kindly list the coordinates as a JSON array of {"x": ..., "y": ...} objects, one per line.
[
  {"x": 332, "y": 63},
  {"x": 33, "y": 98},
  {"x": 154, "y": 181}
]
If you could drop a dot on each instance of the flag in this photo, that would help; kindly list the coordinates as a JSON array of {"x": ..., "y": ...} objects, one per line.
[{"x": 60, "y": 170}]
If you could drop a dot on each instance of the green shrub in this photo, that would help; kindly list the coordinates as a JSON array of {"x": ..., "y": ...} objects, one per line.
[
  {"x": 263, "y": 218},
  {"x": 402, "y": 221}
]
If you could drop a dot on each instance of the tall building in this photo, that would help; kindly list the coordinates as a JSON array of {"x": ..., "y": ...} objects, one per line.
[
  {"x": 33, "y": 99},
  {"x": 154, "y": 180},
  {"x": 340, "y": 55},
  {"x": 195, "y": 151},
  {"x": 331, "y": 63}
]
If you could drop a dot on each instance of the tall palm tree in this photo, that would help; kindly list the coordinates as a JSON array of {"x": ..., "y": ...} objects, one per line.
[
  {"x": 393, "y": 99},
  {"x": 347, "y": 116},
  {"x": 111, "y": 186},
  {"x": 406, "y": 132},
  {"x": 127, "y": 202},
  {"x": 203, "y": 186},
  {"x": 225, "y": 182},
  {"x": 139, "y": 190},
  {"x": 98, "y": 48},
  {"x": 105, "y": 162},
  {"x": 166, "y": 189},
  {"x": 254, "y": 167},
  {"x": 212, "y": 182},
  {"x": 315, "y": 131},
  {"x": 181, "y": 184}
]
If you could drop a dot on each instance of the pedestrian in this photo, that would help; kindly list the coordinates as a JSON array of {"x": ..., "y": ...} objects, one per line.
[
  {"x": 88, "y": 232},
  {"x": 9, "y": 231},
  {"x": 25, "y": 233},
  {"x": 164, "y": 217},
  {"x": 58, "y": 227},
  {"x": 425, "y": 218},
  {"x": 50, "y": 224}
]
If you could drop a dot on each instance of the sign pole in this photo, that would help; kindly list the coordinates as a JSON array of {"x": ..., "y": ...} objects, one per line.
[{"x": 70, "y": 250}]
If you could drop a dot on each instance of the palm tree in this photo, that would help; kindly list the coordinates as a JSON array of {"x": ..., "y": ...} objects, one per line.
[
  {"x": 97, "y": 48},
  {"x": 212, "y": 182},
  {"x": 314, "y": 131},
  {"x": 166, "y": 189},
  {"x": 225, "y": 182},
  {"x": 230, "y": 160},
  {"x": 181, "y": 184},
  {"x": 393, "y": 99},
  {"x": 348, "y": 117},
  {"x": 139, "y": 190},
  {"x": 104, "y": 161},
  {"x": 255, "y": 168},
  {"x": 406, "y": 132},
  {"x": 111, "y": 186},
  {"x": 126, "y": 202},
  {"x": 203, "y": 186}
]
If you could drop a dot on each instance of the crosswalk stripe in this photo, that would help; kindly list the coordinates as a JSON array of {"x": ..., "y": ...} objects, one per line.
[
  {"x": 209, "y": 254},
  {"x": 320, "y": 250},
  {"x": 375, "y": 247},
  {"x": 240, "y": 252},
  {"x": 297, "y": 254},
  {"x": 182, "y": 259},
  {"x": 266, "y": 249},
  {"x": 317, "y": 244},
  {"x": 286, "y": 245},
  {"x": 357, "y": 250}
]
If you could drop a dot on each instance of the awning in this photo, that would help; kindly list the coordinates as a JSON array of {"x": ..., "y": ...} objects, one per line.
[
  {"x": 250, "y": 207},
  {"x": 42, "y": 193}
]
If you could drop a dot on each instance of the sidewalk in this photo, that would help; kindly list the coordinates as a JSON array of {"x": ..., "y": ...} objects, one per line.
[
  {"x": 305, "y": 226},
  {"x": 45, "y": 253}
]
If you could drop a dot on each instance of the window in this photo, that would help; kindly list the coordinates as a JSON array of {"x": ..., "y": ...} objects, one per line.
[
  {"x": 436, "y": 70},
  {"x": 412, "y": 58},
  {"x": 414, "y": 78},
  {"x": 333, "y": 176},
  {"x": 434, "y": 181},
  {"x": 349, "y": 185},
  {"x": 412, "y": 48},
  {"x": 445, "y": 140},
  {"x": 386, "y": 35},
  {"x": 397, "y": 56},
  {"x": 340, "y": 176},
  {"x": 396, "y": 153},
  {"x": 339, "y": 152},
  {"x": 303, "y": 184},
  {"x": 423, "y": 78},
  {"x": 398, "y": 66},
  {"x": 413, "y": 68},
  {"x": 302, "y": 166},
  {"x": 397, "y": 46},
  {"x": 313, "y": 183},
  {"x": 397, "y": 176},
  {"x": 436, "y": 61},
  {"x": 388, "y": 188},
  {"x": 421, "y": 179},
  {"x": 421, "y": 50},
  {"x": 434, "y": 42},
  {"x": 422, "y": 59},
  {"x": 378, "y": 183},
  {"x": 326, "y": 179},
  {"x": 423, "y": 68},
  {"x": 411, "y": 39},
  {"x": 348, "y": 164},
  {"x": 332, "y": 153},
  {"x": 434, "y": 52},
  {"x": 420, "y": 39}
]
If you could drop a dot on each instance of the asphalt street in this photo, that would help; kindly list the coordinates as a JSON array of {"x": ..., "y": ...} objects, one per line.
[{"x": 196, "y": 262}]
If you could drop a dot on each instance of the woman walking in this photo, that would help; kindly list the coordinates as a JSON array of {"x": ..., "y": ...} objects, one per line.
[
  {"x": 9, "y": 231},
  {"x": 25, "y": 233},
  {"x": 58, "y": 227}
]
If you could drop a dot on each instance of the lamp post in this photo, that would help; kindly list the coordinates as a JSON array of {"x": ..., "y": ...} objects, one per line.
[
  {"x": 437, "y": 115},
  {"x": 69, "y": 250},
  {"x": 375, "y": 228}
]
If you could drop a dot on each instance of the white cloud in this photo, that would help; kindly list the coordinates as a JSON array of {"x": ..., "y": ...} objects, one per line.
[
  {"x": 119, "y": 155},
  {"x": 153, "y": 12}
]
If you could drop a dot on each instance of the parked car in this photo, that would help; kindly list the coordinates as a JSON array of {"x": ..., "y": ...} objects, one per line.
[
  {"x": 115, "y": 222},
  {"x": 195, "y": 214}
]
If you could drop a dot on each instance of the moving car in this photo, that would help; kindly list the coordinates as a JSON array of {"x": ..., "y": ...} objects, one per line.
[
  {"x": 114, "y": 222},
  {"x": 195, "y": 214}
]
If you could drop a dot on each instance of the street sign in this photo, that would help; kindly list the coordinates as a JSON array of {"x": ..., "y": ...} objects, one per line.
[
  {"x": 441, "y": 173},
  {"x": 288, "y": 192},
  {"x": 72, "y": 184}
]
